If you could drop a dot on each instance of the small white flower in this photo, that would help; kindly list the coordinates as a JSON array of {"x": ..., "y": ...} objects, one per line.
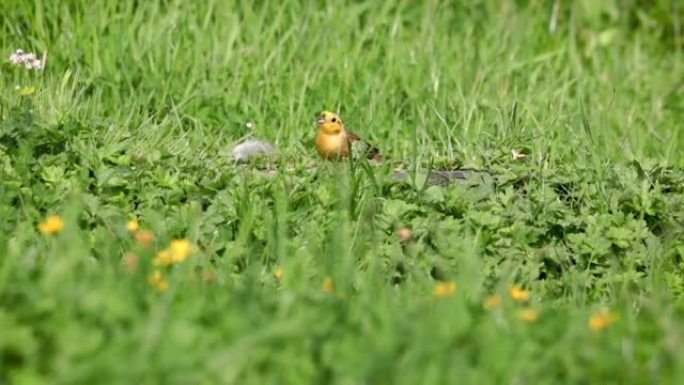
[{"x": 249, "y": 125}]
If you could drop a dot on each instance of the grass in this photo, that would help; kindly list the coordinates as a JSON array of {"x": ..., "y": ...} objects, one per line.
[{"x": 308, "y": 275}]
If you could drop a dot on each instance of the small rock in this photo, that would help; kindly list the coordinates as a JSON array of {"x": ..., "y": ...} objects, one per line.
[{"x": 252, "y": 148}]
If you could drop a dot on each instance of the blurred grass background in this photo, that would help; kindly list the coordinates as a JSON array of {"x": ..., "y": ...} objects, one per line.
[{"x": 140, "y": 103}]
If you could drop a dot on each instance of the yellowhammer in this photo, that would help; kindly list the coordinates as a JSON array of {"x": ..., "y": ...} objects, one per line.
[{"x": 334, "y": 142}]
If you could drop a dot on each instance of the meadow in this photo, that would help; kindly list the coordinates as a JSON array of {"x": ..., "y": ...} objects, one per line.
[{"x": 134, "y": 250}]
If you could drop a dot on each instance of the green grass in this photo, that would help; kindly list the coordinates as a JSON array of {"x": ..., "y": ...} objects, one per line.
[{"x": 138, "y": 108}]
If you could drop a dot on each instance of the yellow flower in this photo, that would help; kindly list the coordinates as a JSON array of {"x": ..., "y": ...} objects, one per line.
[
  {"x": 144, "y": 238},
  {"x": 180, "y": 249},
  {"x": 519, "y": 294},
  {"x": 444, "y": 289},
  {"x": 328, "y": 285},
  {"x": 163, "y": 258},
  {"x": 528, "y": 315},
  {"x": 51, "y": 225},
  {"x": 132, "y": 226},
  {"x": 177, "y": 252},
  {"x": 601, "y": 320},
  {"x": 492, "y": 302},
  {"x": 278, "y": 273},
  {"x": 157, "y": 281}
]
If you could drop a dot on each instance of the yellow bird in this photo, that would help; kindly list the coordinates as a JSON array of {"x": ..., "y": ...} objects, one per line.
[{"x": 333, "y": 141}]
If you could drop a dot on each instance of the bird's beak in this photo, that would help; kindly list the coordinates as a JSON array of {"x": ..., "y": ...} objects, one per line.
[{"x": 320, "y": 120}]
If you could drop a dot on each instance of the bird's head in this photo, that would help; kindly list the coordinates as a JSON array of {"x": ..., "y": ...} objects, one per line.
[{"x": 329, "y": 122}]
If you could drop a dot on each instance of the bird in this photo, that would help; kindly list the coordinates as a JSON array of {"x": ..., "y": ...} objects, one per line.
[{"x": 334, "y": 141}]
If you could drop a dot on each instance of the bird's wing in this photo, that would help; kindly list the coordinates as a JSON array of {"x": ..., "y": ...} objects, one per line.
[
  {"x": 352, "y": 136},
  {"x": 372, "y": 152}
]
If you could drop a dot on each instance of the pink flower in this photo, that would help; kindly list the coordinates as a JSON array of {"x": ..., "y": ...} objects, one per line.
[
  {"x": 34, "y": 64},
  {"x": 29, "y": 60},
  {"x": 17, "y": 57}
]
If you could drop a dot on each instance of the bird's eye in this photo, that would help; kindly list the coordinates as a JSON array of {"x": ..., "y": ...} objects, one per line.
[{"x": 334, "y": 120}]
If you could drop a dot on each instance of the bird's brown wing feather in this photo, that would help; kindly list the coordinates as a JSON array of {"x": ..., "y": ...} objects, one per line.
[{"x": 372, "y": 152}]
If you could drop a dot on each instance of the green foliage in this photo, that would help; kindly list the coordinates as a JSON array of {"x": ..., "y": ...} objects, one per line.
[{"x": 568, "y": 113}]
